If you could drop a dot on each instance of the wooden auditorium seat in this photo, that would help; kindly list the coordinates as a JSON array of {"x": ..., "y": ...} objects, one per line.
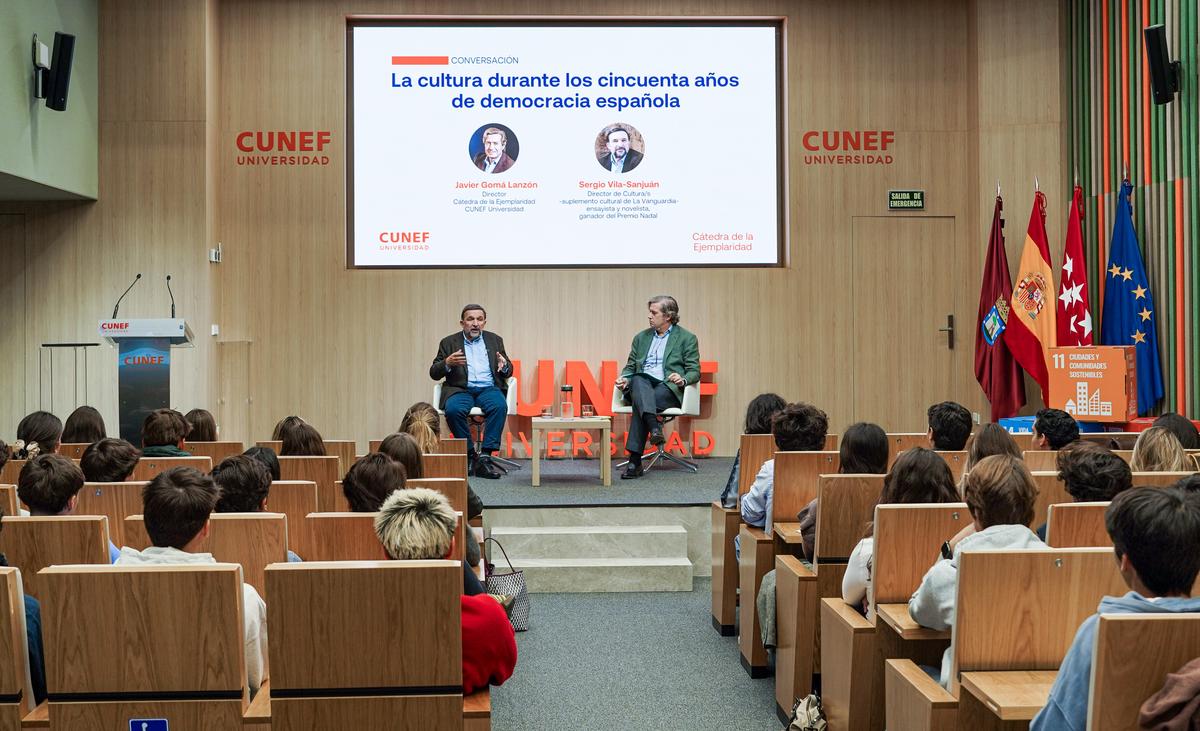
[
  {"x": 295, "y": 499},
  {"x": 956, "y": 461},
  {"x": 453, "y": 488},
  {"x": 1040, "y": 460},
  {"x": 146, "y": 642},
  {"x": 8, "y": 499},
  {"x": 847, "y": 503},
  {"x": 444, "y": 465},
  {"x": 147, "y": 468},
  {"x": 351, "y": 537},
  {"x": 1077, "y": 525},
  {"x": 16, "y": 693},
  {"x": 755, "y": 450},
  {"x": 251, "y": 540},
  {"x": 1051, "y": 491},
  {"x": 216, "y": 451},
  {"x": 324, "y": 471},
  {"x": 343, "y": 449},
  {"x": 794, "y": 487},
  {"x": 114, "y": 500},
  {"x": 1016, "y": 615},
  {"x": 1157, "y": 479},
  {"x": 901, "y": 441},
  {"x": 1133, "y": 655},
  {"x": 853, "y": 649},
  {"x": 73, "y": 450},
  {"x": 33, "y": 543},
  {"x": 448, "y": 445},
  {"x": 389, "y": 636}
]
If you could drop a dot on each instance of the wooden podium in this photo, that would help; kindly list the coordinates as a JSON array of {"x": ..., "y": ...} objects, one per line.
[{"x": 143, "y": 366}]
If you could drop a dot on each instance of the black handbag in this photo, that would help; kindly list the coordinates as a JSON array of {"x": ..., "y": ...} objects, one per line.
[{"x": 510, "y": 583}]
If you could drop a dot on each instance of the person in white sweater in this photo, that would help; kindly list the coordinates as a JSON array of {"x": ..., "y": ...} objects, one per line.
[
  {"x": 919, "y": 475},
  {"x": 176, "y": 506},
  {"x": 1000, "y": 495}
]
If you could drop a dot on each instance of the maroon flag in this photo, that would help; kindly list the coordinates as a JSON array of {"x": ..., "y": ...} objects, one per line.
[{"x": 995, "y": 368}]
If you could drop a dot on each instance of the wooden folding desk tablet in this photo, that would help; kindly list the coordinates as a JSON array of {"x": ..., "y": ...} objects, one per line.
[{"x": 544, "y": 423}]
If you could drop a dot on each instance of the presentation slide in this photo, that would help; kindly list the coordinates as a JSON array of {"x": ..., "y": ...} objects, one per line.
[{"x": 548, "y": 145}]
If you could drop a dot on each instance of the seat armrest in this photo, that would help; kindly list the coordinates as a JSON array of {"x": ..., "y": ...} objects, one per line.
[
  {"x": 39, "y": 717},
  {"x": 915, "y": 700},
  {"x": 619, "y": 404},
  {"x": 259, "y": 710},
  {"x": 691, "y": 400},
  {"x": 845, "y": 614}
]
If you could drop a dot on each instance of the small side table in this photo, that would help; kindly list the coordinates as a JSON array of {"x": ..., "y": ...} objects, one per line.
[{"x": 545, "y": 423}]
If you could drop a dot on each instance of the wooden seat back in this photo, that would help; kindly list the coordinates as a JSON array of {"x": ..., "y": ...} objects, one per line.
[
  {"x": 956, "y": 461},
  {"x": 147, "y": 468},
  {"x": 322, "y": 470},
  {"x": 1123, "y": 440},
  {"x": 444, "y": 465},
  {"x": 343, "y": 449},
  {"x": 351, "y": 537},
  {"x": 8, "y": 499},
  {"x": 847, "y": 503},
  {"x": 216, "y": 451},
  {"x": 907, "y": 538},
  {"x": 73, "y": 450},
  {"x": 1024, "y": 440},
  {"x": 1157, "y": 479},
  {"x": 295, "y": 499},
  {"x": 1051, "y": 491},
  {"x": 251, "y": 540},
  {"x": 901, "y": 441},
  {"x": 1077, "y": 525},
  {"x": 16, "y": 692},
  {"x": 831, "y": 443},
  {"x": 144, "y": 642},
  {"x": 1133, "y": 655},
  {"x": 446, "y": 445},
  {"x": 114, "y": 500},
  {"x": 1019, "y": 610},
  {"x": 795, "y": 485},
  {"x": 33, "y": 543},
  {"x": 366, "y": 677},
  {"x": 756, "y": 449},
  {"x": 11, "y": 471},
  {"x": 1040, "y": 460},
  {"x": 453, "y": 488}
]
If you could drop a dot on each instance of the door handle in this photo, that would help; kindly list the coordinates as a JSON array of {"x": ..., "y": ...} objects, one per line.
[{"x": 949, "y": 330}]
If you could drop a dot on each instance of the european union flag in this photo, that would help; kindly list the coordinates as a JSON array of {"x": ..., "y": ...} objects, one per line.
[{"x": 1129, "y": 313}]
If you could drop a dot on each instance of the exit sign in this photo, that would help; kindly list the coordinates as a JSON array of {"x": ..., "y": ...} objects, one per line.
[{"x": 906, "y": 200}]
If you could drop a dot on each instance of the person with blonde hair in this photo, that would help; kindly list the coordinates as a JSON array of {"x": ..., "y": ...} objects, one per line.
[
  {"x": 1000, "y": 495},
  {"x": 1158, "y": 450},
  {"x": 418, "y": 524},
  {"x": 423, "y": 424}
]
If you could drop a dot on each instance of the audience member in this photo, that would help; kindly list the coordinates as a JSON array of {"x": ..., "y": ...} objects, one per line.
[
  {"x": 176, "y": 506},
  {"x": 3, "y": 453},
  {"x": 266, "y": 455},
  {"x": 423, "y": 423},
  {"x": 1182, "y": 427},
  {"x": 1189, "y": 484},
  {"x": 949, "y": 426},
  {"x": 1158, "y": 450},
  {"x": 245, "y": 485},
  {"x": 163, "y": 434},
  {"x": 1000, "y": 494},
  {"x": 204, "y": 426},
  {"x": 918, "y": 476},
  {"x": 1054, "y": 429},
  {"x": 758, "y": 421},
  {"x": 863, "y": 450},
  {"x": 109, "y": 460},
  {"x": 84, "y": 426},
  {"x": 33, "y": 638},
  {"x": 1091, "y": 473},
  {"x": 990, "y": 439},
  {"x": 799, "y": 427},
  {"x": 370, "y": 480},
  {"x": 38, "y": 433},
  {"x": 299, "y": 438},
  {"x": 1156, "y": 539},
  {"x": 403, "y": 448},
  {"x": 419, "y": 524},
  {"x": 49, "y": 484}
]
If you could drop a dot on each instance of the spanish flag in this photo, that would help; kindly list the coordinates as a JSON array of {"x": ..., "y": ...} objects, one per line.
[{"x": 1031, "y": 328}]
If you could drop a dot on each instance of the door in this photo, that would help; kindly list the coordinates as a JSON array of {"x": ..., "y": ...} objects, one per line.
[{"x": 902, "y": 294}]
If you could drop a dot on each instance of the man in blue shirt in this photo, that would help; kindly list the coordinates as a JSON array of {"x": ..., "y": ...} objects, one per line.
[{"x": 476, "y": 370}]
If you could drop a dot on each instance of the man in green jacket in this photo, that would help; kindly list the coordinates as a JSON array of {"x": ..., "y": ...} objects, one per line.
[{"x": 663, "y": 359}]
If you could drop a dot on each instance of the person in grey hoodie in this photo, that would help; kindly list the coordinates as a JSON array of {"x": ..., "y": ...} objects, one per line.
[
  {"x": 176, "y": 506},
  {"x": 1000, "y": 495},
  {"x": 1156, "y": 539}
]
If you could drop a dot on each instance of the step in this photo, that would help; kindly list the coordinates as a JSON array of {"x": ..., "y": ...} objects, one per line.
[
  {"x": 545, "y": 575},
  {"x": 602, "y": 541}
]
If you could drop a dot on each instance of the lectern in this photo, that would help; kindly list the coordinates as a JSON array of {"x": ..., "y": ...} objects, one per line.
[{"x": 143, "y": 366}]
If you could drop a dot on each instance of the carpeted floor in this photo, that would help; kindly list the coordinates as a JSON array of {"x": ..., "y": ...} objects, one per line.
[
  {"x": 577, "y": 482},
  {"x": 630, "y": 662}
]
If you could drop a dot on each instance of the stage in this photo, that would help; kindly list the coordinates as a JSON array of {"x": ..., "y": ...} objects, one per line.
[{"x": 573, "y": 534}]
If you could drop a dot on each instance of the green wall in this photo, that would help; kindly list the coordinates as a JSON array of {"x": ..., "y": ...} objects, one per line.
[{"x": 46, "y": 154}]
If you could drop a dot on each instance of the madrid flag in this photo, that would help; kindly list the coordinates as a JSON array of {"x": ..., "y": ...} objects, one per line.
[
  {"x": 1074, "y": 317},
  {"x": 1031, "y": 328},
  {"x": 995, "y": 368}
]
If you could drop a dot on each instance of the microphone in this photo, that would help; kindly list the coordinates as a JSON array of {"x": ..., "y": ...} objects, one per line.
[
  {"x": 118, "y": 305},
  {"x": 172, "y": 296}
]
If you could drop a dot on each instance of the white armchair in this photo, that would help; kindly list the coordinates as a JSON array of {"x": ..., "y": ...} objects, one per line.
[{"x": 689, "y": 407}]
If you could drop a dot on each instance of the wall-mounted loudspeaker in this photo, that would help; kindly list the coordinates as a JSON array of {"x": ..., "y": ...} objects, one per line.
[
  {"x": 60, "y": 71},
  {"x": 1164, "y": 73}
]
